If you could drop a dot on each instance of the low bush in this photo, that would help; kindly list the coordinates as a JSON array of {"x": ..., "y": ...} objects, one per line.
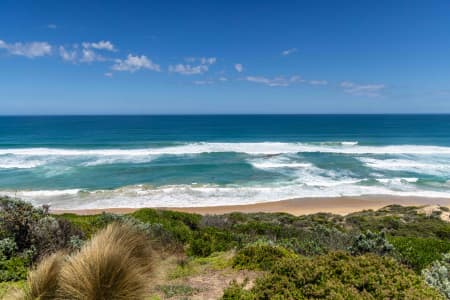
[
  {"x": 208, "y": 240},
  {"x": 418, "y": 253},
  {"x": 336, "y": 276},
  {"x": 17, "y": 219},
  {"x": 8, "y": 248},
  {"x": 14, "y": 268},
  {"x": 50, "y": 234},
  {"x": 371, "y": 242},
  {"x": 260, "y": 256},
  {"x": 398, "y": 220},
  {"x": 32, "y": 229},
  {"x": 178, "y": 225},
  {"x": 438, "y": 275}
]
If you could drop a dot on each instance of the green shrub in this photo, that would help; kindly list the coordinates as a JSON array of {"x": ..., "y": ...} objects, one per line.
[
  {"x": 438, "y": 275},
  {"x": 88, "y": 224},
  {"x": 31, "y": 228},
  {"x": 337, "y": 276},
  {"x": 236, "y": 291},
  {"x": 50, "y": 235},
  {"x": 8, "y": 248},
  {"x": 179, "y": 225},
  {"x": 209, "y": 240},
  {"x": 17, "y": 219},
  {"x": 177, "y": 290},
  {"x": 371, "y": 242},
  {"x": 398, "y": 220},
  {"x": 307, "y": 247},
  {"x": 260, "y": 256},
  {"x": 149, "y": 215},
  {"x": 419, "y": 252},
  {"x": 14, "y": 268}
]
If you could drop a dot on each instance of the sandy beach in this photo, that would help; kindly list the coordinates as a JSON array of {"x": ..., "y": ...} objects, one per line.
[{"x": 301, "y": 206}]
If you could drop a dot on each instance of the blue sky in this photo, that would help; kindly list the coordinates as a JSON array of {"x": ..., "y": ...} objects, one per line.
[{"x": 176, "y": 57}]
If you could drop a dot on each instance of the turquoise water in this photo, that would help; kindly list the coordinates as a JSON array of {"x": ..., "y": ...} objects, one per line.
[{"x": 134, "y": 161}]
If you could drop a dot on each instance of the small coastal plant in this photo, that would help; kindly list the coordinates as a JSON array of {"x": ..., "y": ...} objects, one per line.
[
  {"x": 371, "y": 242},
  {"x": 438, "y": 275}
]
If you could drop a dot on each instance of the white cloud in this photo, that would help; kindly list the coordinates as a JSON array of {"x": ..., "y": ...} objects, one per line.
[
  {"x": 368, "y": 90},
  {"x": 223, "y": 78},
  {"x": 108, "y": 74},
  {"x": 318, "y": 82},
  {"x": 88, "y": 56},
  {"x": 30, "y": 50},
  {"x": 239, "y": 67},
  {"x": 276, "y": 81},
  {"x": 87, "y": 53},
  {"x": 203, "y": 82},
  {"x": 201, "y": 60},
  {"x": 68, "y": 55},
  {"x": 135, "y": 63},
  {"x": 289, "y": 51},
  {"x": 207, "y": 60},
  {"x": 101, "y": 45},
  {"x": 188, "y": 69},
  {"x": 51, "y": 26}
]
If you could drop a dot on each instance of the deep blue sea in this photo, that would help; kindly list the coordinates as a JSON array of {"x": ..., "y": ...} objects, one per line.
[{"x": 135, "y": 161}]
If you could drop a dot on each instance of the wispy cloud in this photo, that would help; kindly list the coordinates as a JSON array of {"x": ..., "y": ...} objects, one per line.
[
  {"x": 202, "y": 66},
  {"x": 68, "y": 55},
  {"x": 276, "y": 81},
  {"x": 203, "y": 82},
  {"x": 223, "y": 78},
  {"x": 368, "y": 90},
  {"x": 89, "y": 55},
  {"x": 318, "y": 82},
  {"x": 289, "y": 51},
  {"x": 239, "y": 67},
  {"x": 101, "y": 45},
  {"x": 30, "y": 50},
  {"x": 135, "y": 63},
  {"x": 51, "y": 26},
  {"x": 88, "y": 52},
  {"x": 188, "y": 69}
]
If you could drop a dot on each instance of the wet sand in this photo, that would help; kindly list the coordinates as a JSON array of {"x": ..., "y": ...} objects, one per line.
[{"x": 301, "y": 206}]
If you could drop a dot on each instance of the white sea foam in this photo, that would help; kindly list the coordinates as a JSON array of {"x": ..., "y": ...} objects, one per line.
[
  {"x": 277, "y": 162},
  {"x": 202, "y": 195},
  {"x": 18, "y": 163},
  {"x": 108, "y": 160},
  {"x": 431, "y": 167},
  {"x": 262, "y": 148},
  {"x": 398, "y": 180}
]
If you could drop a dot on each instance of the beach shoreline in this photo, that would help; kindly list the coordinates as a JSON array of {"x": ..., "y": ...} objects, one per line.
[{"x": 298, "y": 206}]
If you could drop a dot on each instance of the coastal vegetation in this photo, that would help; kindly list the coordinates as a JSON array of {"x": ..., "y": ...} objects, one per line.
[{"x": 393, "y": 253}]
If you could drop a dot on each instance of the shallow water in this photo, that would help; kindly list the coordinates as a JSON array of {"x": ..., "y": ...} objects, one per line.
[{"x": 133, "y": 161}]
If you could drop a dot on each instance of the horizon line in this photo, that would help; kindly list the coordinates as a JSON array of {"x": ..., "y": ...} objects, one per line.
[{"x": 214, "y": 114}]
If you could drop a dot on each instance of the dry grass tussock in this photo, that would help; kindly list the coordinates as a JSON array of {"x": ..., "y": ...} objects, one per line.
[{"x": 115, "y": 264}]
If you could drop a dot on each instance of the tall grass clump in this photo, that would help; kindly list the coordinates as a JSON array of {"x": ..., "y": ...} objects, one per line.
[
  {"x": 115, "y": 264},
  {"x": 42, "y": 282}
]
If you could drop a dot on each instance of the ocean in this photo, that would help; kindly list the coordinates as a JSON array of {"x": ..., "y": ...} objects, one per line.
[{"x": 76, "y": 162}]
